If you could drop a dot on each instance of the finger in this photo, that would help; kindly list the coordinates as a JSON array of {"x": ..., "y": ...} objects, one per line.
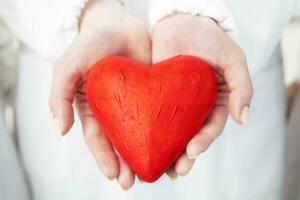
[
  {"x": 126, "y": 175},
  {"x": 172, "y": 173},
  {"x": 61, "y": 97},
  {"x": 100, "y": 147},
  {"x": 183, "y": 165},
  {"x": 208, "y": 133},
  {"x": 238, "y": 79},
  {"x": 97, "y": 142},
  {"x": 66, "y": 80},
  {"x": 69, "y": 73}
]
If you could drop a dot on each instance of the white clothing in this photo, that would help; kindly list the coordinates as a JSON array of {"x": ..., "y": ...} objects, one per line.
[
  {"x": 12, "y": 180},
  {"x": 244, "y": 163},
  {"x": 215, "y": 9},
  {"x": 48, "y": 26},
  {"x": 12, "y": 183}
]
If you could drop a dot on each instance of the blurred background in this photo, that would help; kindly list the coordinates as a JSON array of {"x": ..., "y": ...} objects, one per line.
[
  {"x": 9, "y": 47},
  {"x": 291, "y": 59}
]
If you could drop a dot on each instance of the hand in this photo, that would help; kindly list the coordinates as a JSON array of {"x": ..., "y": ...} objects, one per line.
[
  {"x": 186, "y": 34},
  {"x": 105, "y": 29}
]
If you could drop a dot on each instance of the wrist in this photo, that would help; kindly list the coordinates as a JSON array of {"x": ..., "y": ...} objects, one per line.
[{"x": 101, "y": 9}]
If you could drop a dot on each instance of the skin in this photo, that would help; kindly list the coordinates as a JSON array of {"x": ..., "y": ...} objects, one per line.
[{"x": 118, "y": 33}]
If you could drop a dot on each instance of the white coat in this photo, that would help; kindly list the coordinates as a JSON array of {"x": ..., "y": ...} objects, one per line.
[{"x": 245, "y": 163}]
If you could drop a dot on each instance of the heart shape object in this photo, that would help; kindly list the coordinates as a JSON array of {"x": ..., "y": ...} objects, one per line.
[{"x": 150, "y": 113}]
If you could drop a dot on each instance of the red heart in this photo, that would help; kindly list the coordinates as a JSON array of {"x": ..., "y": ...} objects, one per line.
[{"x": 150, "y": 113}]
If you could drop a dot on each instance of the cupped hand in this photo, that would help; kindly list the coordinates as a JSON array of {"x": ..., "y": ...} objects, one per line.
[
  {"x": 184, "y": 34},
  {"x": 105, "y": 29}
]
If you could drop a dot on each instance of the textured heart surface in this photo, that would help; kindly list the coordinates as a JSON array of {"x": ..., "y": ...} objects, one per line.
[{"x": 150, "y": 113}]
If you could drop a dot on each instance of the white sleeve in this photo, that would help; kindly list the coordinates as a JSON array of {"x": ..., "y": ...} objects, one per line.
[
  {"x": 215, "y": 9},
  {"x": 46, "y": 27}
]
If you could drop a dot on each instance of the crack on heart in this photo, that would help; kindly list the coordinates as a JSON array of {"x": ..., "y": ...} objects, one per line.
[
  {"x": 159, "y": 111},
  {"x": 137, "y": 112},
  {"x": 117, "y": 134},
  {"x": 123, "y": 77},
  {"x": 126, "y": 146},
  {"x": 118, "y": 100},
  {"x": 160, "y": 87},
  {"x": 175, "y": 109},
  {"x": 97, "y": 105}
]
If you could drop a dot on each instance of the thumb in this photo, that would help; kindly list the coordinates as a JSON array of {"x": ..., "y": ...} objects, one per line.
[
  {"x": 238, "y": 80},
  {"x": 64, "y": 85}
]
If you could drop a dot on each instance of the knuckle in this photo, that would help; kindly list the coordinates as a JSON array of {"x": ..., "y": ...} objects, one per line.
[{"x": 238, "y": 55}]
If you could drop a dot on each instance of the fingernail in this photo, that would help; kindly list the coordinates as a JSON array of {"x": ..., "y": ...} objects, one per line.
[
  {"x": 244, "y": 115},
  {"x": 58, "y": 128},
  {"x": 173, "y": 178},
  {"x": 193, "y": 156},
  {"x": 109, "y": 173},
  {"x": 123, "y": 184},
  {"x": 125, "y": 189}
]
